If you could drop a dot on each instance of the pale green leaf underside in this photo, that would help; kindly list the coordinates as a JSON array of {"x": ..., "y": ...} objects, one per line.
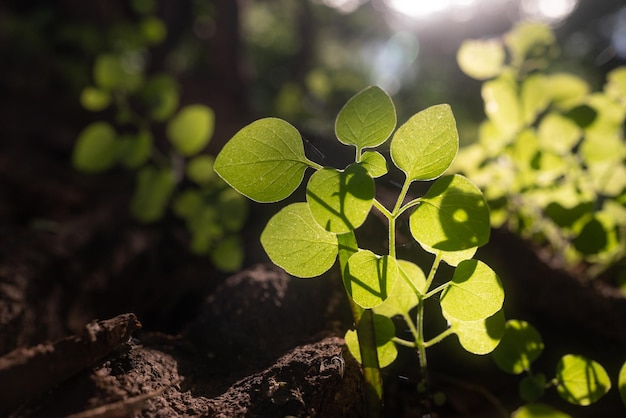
[
  {"x": 369, "y": 278},
  {"x": 403, "y": 297},
  {"x": 425, "y": 146},
  {"x": 453, "y": 216},
  {"x": 520, "y": 346},
  {"x": 340, "y": 200},
  {"x": 264, "y": 161},
  {"x": 474, "y": 293},
  {"x": 581, "y": 381},
  {"x": 367, "y": 120},
  {"x": 481, "y": 336},
  {"x": 295, "y": 242}
]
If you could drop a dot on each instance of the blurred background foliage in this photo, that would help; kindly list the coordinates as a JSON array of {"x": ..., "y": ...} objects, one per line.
[{"x": 298, "y": 60}]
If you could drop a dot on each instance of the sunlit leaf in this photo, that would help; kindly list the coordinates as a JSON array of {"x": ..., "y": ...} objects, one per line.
[
  {"x": 621, "y": 382},
  {"x": 481, "y": 59},
  {"x": 538, "y": 410},
  {"x": 474, "y": 293},
  {"x": 386, "y": 348},
  {"x": 424, "y": 147},
  {"x": 502, "y": 104},
  {"x": 264, "y": 161},
  {"x": 95, "y": 99},
  {"x": 228, "y": 254},
  {"x": 153, "y": 30},
  {"x": 615, "y": 86},
  {"x": 558, "y": 134},
  {"x": 481, "y": 336},
  {"x": 340, "y": 200},
  {"x": 233, "y": 210},
  {"x": 135, "y": 150},
  {"x": 403, "y": 297},
  {"x": 191, "y": 129},
  {"x": 581, "y": 381},
  {"x": 96, "y": 148},
  {"x": 452, "y": 258},
  {"x": 294, "y": 241},
  {"x": 519, "y": 347},
  {"x": 374, "y": 163},
  {"x": 534, "y": 97},
  {"x": 110, "y": 73},
  {"x": 567, "y": 90},
  {"x": 200, "y": 169},
  {"x": 367, "y": 119},
  {"x": 369, "y": 278},
  {"x": 154, "y": 187},
  {"x": 452, "y": 216},
  {"x": 526, "y": 38}
]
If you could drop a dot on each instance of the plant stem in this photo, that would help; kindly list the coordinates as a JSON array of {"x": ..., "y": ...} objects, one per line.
[{"x": 439, "y": 337}]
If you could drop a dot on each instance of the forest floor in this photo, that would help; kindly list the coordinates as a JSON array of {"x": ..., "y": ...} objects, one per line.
[{"x": 103, "y": 317}]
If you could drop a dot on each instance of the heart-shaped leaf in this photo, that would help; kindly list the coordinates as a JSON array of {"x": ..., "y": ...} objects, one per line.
[
  {"x": 374, "y": 163},
  {"x": 340, "y": 200},
  {"x": 264, "y": 161},
  {"x": 475, "y": 292},
  {"x": 581, "y": 381},
  {"x": 96, "y": 148},
  {"x": 369, "y": 278},
  {"x": 425, "y": 146},
  {"x": 452, "y": 216},
  {"x": 295, "y": 242},
  {"x": 385, "y": 347},
  {"x": 367, "y": 120},
  {"x": 404, "y": 297}
]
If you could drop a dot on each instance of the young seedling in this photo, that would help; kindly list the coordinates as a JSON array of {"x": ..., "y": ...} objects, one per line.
[{"x": 266, "y": 162}]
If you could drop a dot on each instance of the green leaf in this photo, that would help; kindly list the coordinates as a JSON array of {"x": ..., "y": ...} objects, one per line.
[
  {"x": 538, "y": 410},
  {"x": 532, "y": 388},
  {"x": 153, "y": 30},
  {"x": 95, "y": 99},
  {"x": 340, "y": 200},
  {"x": 452, "y": 258},
  {"x": 186, "y": 203},
  {"x": 367, "y": 119},
  {"x": 161, "y": 96},
  {"x": 534, "y": 97},
  {"x": 369, "y": 278},
  {"x": 520, "y": 346},
  {"x": 135, "y": 150},
  {"x": 558, "y": 134},
  {"x": 111, "y": 73},
  {"x": 228, "y": 254},
  {"x": 481, "y": 336},
  {"x": 581, "y": 381},
  {"x": 481, "y": 59},
  {"x": 403, "y": 296},
  {"x": 424, "y": 147},
  {"x": 96, "y": 148},
  {"x": 191, "y": 129},
  {"x": 154, "y": 187},
  {"x": 528, "y": 39},
  {"x": 621, "y": 382},
  {"x": 502, "y": 104},
  {"x": 452, "y": 216},
  {"x": 294, "y": 241},
  {"x": 474, "y": 293},
  {"x": 232, "y": 209},
  {"x": 385, "y": 347},
  {"x": 347, "y": 246},
  {"x": 615, "y": 86},
  {"x": 374, "y": 163},
  {"x": 264, "y": 161},
  {"x": 566, "y": 90},
  {"x": 200, "y": 170}
]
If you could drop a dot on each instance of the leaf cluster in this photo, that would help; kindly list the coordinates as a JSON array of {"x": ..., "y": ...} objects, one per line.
[{"x": 173, "y": 173}]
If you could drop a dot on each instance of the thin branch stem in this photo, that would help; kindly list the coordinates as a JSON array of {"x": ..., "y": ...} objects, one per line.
[{"x": 438, "y": 338}]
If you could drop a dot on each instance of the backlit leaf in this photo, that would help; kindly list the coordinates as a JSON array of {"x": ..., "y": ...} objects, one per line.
[
  {"x": 452, "y": 258},
  {"x": 534, "y": 97},
  {"x": 95, "y": 99},
  {"x": 474, "y": 293},
  {"x": 621, "y": 382},
  {"x": 96, "y": 148},
  {"x": 403, "y": 297},
  {"x": 340, "y": 200},
  {"x": 135, "y": 150},
  {"x": 200, "y": 169},
  {"x": 519, "y": 347},
  {"x": 581, "y": 381},
  {"x": 374, "y": 163},
  {"x": 481, "y": 59},
  {"x": 558, "y": 134},
  {"x": 452, "y": 216},
  {"x": 369, "y": 278},
  {"x": 111, "y": 73},
  {"x": 385, "y": 347},
  {"x": 264, "y": 161},
  {"x": 567, "y": 90},
  {"x": 481, "y": 336},
  {"x": 425, "y": 146},
  {"x": 616, "y": 84},
  {"x": 502, "y": 105},
  {"x": 161, "y": 97},
  {"x": 538, "y": 410},
  {"x": 228, "y": 254},
  {"x": 294, "y": 241},
  {"x": 528, "y": 39},
  {"x": 191, "y": 129},
  {"x": 367, "y": 119}
]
